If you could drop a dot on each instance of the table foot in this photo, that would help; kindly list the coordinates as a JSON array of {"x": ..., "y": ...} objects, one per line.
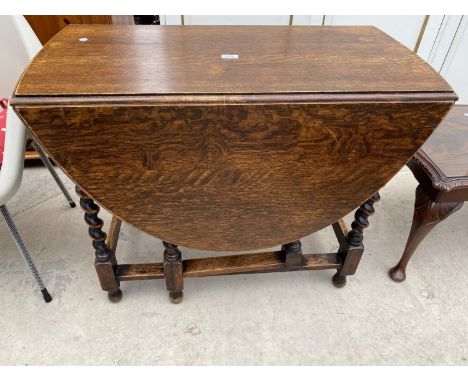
[
  {"x": 427, "y": 214},
  {"x": 338, "y": 280},
  {"x": 176, "y": 297},
  {"x": 397, "y": 274},
  {"x": 115, "y": 296}
]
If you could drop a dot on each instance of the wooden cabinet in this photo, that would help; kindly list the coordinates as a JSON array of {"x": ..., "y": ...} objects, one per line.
[{"x": 47, "y": 27}]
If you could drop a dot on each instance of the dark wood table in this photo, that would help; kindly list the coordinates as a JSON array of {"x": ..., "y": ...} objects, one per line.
[
  {"x": 441, "y": 168},
  {"x": 229, "y": 138}
]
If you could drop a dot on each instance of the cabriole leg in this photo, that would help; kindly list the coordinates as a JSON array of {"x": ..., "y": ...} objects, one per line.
[{"x": 427, "y": 214}]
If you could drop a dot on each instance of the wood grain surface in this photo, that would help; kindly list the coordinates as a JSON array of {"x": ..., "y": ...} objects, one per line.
[
  {"x": 124, "y": 60},
  {"x": 231, "y": 177},
  {"x": 229, "y": 265},
  {"x": 305, "y": 126},
  {"x": 46, "y": 27},
  {"x": 447, "y": 148},
  {"x": 441, "y": 165}
]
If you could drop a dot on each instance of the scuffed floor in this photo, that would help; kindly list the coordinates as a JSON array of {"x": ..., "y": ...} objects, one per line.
[{"x": 296, "y": 318}]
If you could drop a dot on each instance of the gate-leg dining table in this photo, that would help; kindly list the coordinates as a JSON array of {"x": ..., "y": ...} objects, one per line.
[{"x": 229, "y": 138}]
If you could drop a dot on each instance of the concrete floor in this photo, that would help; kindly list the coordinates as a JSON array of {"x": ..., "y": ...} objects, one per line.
[{"x": 265, "y": 319}]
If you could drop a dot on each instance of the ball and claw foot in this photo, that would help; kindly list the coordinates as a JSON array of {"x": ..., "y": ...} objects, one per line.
[
  {"x": 397, "y": 274},
  {"x": 115, "y": 296},
  {"x": 338, "y": 280},
  {"x": 176, "y": 297}
]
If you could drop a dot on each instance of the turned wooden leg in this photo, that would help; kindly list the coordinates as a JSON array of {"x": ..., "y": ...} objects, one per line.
[
  {"x": 173, "y": 272},
  {"x": 293, "y": 254},
  {"x": 355, "y": 247},
  {"x": 105, "y": 262},
  {"x": 427, "y": 214}
]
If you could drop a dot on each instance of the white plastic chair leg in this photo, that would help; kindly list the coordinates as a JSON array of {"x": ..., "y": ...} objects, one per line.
[
  {"x": 24, "y": 252},
  {"x": 51, "y": 169}
]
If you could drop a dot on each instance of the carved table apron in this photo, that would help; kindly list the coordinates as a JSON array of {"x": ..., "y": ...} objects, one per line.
[{"x": 229, "y": 138}]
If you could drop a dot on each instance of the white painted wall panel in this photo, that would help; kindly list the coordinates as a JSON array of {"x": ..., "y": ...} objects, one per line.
[
  {"x": 171, "y": 20},
  {"x": 429, "y": 37},
  {"x": 308, "y": 20},
  {"x": 443, "y": 41},
  {"x": 404, "y": 29},
  {"x": 455, "y": 66},
  {"x": 236, "y": 20}
]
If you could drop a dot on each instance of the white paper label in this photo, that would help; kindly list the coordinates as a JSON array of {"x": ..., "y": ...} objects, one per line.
[{"x": 229, "y": 56}]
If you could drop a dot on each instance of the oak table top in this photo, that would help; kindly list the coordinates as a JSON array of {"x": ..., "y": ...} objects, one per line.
[
  {"x": 441, "y": 165},
  {"x": 448, "y": 146},
  {"x": 144, "y": 60},
  {"x": 230, "y": 138}
]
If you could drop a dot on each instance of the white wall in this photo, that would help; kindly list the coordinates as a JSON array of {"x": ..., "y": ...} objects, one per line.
[
  {"x": 404, "y": 29},
  {"x": 308, "y": 20},
  {"x": 236, "y": 20},
  {"x": 170, "y": 19},
  {"x": 455, "y": 66},
  {"x": 241, "y": 20}
]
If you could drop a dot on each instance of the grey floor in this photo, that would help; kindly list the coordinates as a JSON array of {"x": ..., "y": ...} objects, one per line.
[{"x": 266, "y": 319}]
